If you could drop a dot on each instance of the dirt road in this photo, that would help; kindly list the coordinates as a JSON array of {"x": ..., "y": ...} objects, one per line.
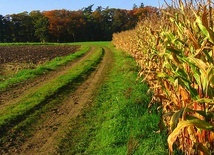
[{"x": 43, "y": 136}]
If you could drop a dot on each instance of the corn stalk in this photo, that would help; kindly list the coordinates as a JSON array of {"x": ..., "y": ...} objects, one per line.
[{"x": 175, "y": 50}]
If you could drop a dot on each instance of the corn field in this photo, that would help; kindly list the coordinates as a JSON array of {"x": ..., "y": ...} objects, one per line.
[{"x": 175, "y": 51}]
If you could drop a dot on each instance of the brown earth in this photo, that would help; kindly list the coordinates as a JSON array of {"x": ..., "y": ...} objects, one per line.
[
  {"x": 15, "y": 58},
  {"x": 53, "y": 123},
  {"x": 34, "y": 53}
]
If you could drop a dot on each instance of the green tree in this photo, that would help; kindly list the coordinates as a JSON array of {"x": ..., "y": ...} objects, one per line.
[
  {"x": 134, "y": 6},
  {"x": 7, "y": 29},
  {"x": 23, "y": 28},
  {"x": 142, "y": 5},
  {"x": 89, "y": 27},
  {"x": 41, "y": 24},
  {"x": 1, "y": 29}
]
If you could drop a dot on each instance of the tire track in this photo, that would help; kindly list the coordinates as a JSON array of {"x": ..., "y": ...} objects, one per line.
[
  {"x": 14, "y": 95},
  {"x": 55, "y": 122}
]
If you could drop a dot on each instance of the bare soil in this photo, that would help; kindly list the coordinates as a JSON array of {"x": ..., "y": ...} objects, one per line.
[
  {"x": 15, "y": 58},
  {"x": 34, "y": 53},
  {"x": 54, "y": 122}
]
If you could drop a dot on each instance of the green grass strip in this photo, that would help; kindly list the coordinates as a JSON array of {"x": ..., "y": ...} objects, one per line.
[
  {"x": 28, "y": 103},
  {"x": 119, "y": 123}
]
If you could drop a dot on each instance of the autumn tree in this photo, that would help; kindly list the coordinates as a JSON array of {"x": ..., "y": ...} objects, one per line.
[
  {"x": 63, "y": 25},
  {"x": 76, "y": 26},
  {"x": 55, "y": 25}
]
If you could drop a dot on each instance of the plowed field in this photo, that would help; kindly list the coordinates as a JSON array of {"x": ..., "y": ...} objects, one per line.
[
  {"x": 15, "y": 58},
  {"x": 33, "y": 54}
]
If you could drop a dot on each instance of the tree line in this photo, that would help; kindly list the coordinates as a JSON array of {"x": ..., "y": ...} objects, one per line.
[{"x": 70, "y": 26}]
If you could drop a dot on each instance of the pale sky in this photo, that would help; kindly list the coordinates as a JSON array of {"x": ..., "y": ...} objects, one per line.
[{"x": 18, "y": 6}]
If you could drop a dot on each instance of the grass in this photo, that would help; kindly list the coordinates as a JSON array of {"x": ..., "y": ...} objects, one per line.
[
  {"x": 28, "y": 103},
  {"x": 26, "y": 74},
  {"x": 119, "y": 122}
]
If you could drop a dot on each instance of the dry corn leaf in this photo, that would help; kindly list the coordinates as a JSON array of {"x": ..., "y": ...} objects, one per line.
[
  {"x": 182, "y": 124},
  {"x": 184, "y": 94}
]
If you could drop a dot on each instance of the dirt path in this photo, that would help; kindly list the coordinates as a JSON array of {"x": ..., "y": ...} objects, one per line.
[
  {"x": 13, "y": 95},
  {"x": 47, "y": 134}
]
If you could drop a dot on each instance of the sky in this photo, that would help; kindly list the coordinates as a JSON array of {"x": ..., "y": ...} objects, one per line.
[{"x": 18, "y": 6}]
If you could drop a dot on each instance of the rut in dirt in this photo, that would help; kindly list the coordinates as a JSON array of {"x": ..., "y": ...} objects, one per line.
[
  {"x": 26, "y": 90},
  {"x": 12, "y": 94},
  {"x": 50, "y": 126}
]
